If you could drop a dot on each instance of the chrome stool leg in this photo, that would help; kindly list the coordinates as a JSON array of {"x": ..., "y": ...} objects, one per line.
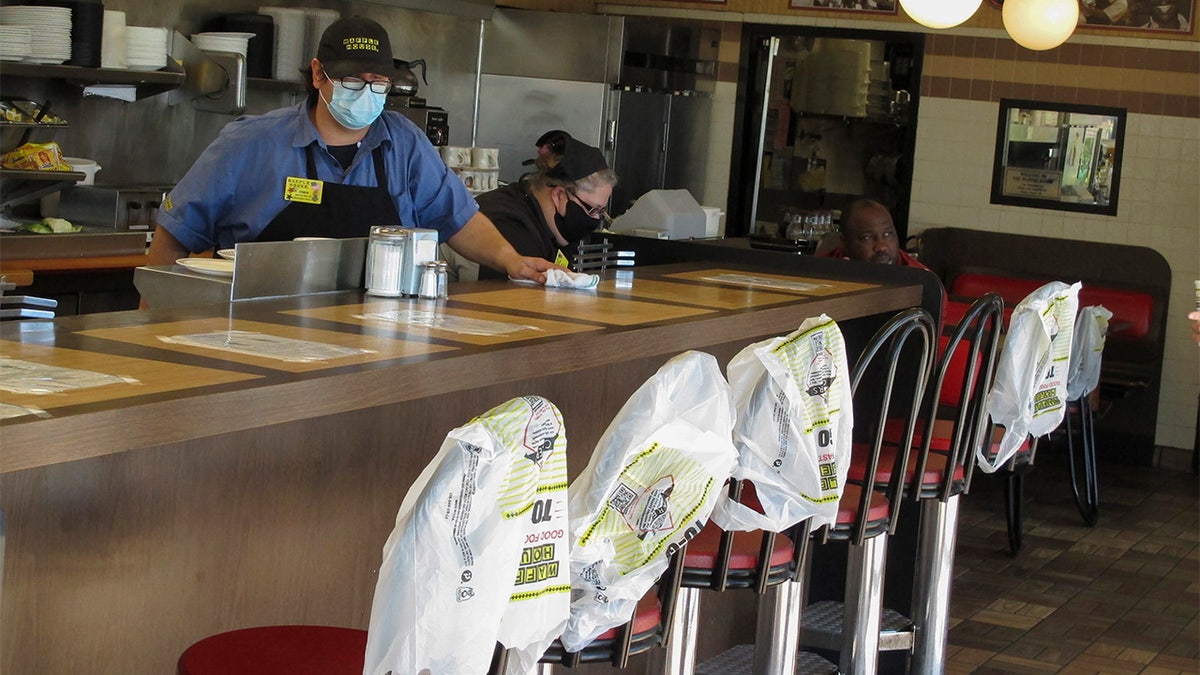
[
  {"x": 678, "y": 656},
  {"x": 931, "y": 591},
  {"x": 864, "y": 607},
  {"x": 778, "y": 629}
]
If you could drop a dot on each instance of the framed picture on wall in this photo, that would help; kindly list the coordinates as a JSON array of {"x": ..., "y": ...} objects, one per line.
[
  {"x": 873, "y": 6},
  {"x": 1164, "y": 16},
  {"x": 1058, "y": 156}
]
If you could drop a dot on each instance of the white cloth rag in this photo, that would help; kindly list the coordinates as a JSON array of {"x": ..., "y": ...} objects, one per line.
[{"x": 562, "y": 278}]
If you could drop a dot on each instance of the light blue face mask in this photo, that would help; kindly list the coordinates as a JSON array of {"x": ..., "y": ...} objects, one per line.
[{"x": 355, "y": 109}]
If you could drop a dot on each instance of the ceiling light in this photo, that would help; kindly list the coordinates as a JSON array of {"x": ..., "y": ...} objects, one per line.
[
  {"x": 1040, "y": 24},
  {"x": 940, "y": 13}
]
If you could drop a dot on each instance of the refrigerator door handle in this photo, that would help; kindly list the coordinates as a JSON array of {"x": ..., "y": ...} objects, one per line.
[{"x": 610, "y": 141}]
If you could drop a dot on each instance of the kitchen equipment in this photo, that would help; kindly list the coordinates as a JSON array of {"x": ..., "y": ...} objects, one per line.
[
  {"x": 663, "y": 214},
  {"x": 88, "y": 167},
  {"x": 435, "y": 122},
  {"x": 406, "y": 83},
  {"x": 126, "y": 208},
  {"x": 260, "y": 50}
]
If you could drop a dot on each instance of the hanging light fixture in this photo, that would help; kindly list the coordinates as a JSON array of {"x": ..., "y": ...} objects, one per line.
[
  {"x": 1040, "y": 24},
  {"x": 940, "y": 13}
]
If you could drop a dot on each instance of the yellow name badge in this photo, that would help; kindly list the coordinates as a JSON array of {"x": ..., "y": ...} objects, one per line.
[
  {"x": 303, "y": 190},
  {"x": 560, "y": 259}
]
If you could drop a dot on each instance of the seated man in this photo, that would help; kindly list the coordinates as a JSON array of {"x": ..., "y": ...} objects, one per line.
[{"x": 868, "y": 234}]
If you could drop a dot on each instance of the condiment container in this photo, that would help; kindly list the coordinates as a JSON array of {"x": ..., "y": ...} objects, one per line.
[
  {"x": 422, "y": 248},
  {"x": 385, "y": 260}
]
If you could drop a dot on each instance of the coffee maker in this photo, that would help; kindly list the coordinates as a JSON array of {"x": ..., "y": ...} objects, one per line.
[{"x": 434, "y": 121}]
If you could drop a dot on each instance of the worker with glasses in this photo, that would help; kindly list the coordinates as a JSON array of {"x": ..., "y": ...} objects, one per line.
[
  {"x": 332, "y": 166},
  {"x": 550, "y": 210}
]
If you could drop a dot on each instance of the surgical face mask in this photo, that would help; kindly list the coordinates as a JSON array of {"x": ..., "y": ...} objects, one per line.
[
  {"x": 355, "y": 109},
  {"x": 575, "y": 224}
]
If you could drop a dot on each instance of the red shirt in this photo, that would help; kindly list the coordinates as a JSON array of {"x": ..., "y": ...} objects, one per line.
[{"x": 903, "y": 259}]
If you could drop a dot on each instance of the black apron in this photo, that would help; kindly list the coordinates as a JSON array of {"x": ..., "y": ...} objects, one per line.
[{"x": 345, "y": 210}]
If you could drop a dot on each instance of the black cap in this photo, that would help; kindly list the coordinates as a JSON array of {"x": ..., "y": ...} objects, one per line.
[
  {"x": 356, "y": 45},
  {"x": 578, "y": 161}
]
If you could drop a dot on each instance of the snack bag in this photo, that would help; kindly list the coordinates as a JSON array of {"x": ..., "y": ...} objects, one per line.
[
  {"x": 649, "y": 488},
  {"x": 478, "y": 554},
  {"x": 1028, "y": 397},
  {"x": 793, "y": 431},
  {"x": 36, "y": 157}
]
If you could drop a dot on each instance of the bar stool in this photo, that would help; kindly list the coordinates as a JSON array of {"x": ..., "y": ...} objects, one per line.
[
  {"x": 1026, "y": 399},
  {"x": 953, "y": 421},
  {"x": 1087, "y": 349},
  {"x": 866, "y": 513},
  {"x": 672, "y": 442},
  {"x": 793, "y": 395},
  {"x": 485, "y": 468}
]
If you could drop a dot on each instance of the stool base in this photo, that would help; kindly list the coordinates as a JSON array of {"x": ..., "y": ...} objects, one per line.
[{"x": 739, "y": 660}]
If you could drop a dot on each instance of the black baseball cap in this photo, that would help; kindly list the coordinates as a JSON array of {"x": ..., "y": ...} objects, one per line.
[
  {"x": 578, "y": 161},
  {"x": 356, "y": 45}
]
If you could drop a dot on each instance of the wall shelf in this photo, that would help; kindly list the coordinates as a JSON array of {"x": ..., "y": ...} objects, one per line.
[{"x": 148, "y": 82}]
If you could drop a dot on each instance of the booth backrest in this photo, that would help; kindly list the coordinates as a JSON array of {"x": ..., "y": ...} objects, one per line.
[{"x": 1133, "y": 311}]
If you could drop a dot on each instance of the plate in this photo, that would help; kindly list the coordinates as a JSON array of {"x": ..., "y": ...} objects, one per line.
[
  {"x": 227, "y": 253},
  {"x": 210, "y": 266}
]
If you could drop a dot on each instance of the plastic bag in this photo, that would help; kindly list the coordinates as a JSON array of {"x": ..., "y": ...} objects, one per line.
[
  {"x": 1087, "y": 350},
  {"x": 489, "y": 510},
  {"x": 1028, "y": 397},
  {"x": 648, "y": 489},
  {"x": 793, "y": 431}
]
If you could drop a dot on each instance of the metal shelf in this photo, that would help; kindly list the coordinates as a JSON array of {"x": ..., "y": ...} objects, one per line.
[
  {"x": 148, "y": 82},
  {"x": 18, "y": 185}
]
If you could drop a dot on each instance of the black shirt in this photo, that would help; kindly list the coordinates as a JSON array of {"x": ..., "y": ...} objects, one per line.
[{"x": 518, "y": 217}]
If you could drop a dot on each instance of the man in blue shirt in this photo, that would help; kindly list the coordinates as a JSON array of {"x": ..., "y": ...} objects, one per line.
[{"x": 333, "y": 166}]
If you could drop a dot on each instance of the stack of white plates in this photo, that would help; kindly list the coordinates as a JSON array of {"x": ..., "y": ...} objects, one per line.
[
  {"x": 290, "y": 25},
  {"x": 145, "y": 47},
  {"x": 49, "y": 31},
  {"x": 237, "y": 43},
  {"x": 14, "y": 43}
]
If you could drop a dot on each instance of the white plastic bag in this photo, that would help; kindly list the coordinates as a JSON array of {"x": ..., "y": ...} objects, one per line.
[
  {"x": 1028, "y": 397},
  {"x": 649, "y": 487},
  {"x": 1087, "y": 350},
  {"x": 489, "y": 510},
  {"x": 793, "y": 431}
]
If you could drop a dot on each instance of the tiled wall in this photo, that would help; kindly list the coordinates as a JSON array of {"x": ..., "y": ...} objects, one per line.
[
  {"x": 1158, "y": 83},
  {"x": 1159, "y": 207}
]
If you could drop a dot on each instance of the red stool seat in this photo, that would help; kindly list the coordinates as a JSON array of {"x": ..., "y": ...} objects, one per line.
[
  {"x": 645, "y": 618},
  {"x": 702, "y": 550},
  {"x": 878, "y": 509},
  {"x": 278, "y": 650}
]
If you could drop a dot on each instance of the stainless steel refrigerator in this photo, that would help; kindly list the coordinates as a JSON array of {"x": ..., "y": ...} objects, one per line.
[{"x": 652, "y": 139}]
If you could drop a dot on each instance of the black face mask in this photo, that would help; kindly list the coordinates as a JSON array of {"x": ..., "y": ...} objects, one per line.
[{"x": 575, "y": 224}]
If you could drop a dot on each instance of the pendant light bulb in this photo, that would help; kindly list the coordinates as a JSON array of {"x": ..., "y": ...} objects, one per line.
[
  {"x": 1040, "y": 24},
  {"x": 940, "y": 13}
]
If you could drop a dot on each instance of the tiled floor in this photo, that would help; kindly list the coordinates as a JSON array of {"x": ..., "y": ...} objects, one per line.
[{"x": 1120, "y": 597}]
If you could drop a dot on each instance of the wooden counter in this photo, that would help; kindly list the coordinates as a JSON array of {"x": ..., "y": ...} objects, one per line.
[{"x": 211, "y": 490}]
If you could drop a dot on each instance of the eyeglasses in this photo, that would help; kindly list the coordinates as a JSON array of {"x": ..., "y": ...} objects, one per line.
[
  {"x": 357, "y": 83},
  {"x": 592, "y": 211}
]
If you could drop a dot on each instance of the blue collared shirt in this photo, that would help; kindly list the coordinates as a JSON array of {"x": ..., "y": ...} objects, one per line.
[{"x": 236, "y": 186}]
